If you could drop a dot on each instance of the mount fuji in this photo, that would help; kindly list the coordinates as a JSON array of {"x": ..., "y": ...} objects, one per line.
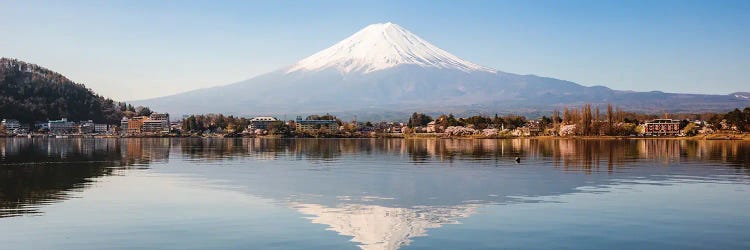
[{"x": 384, "y": 68}]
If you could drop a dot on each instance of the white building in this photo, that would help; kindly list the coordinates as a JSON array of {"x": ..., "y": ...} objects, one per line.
[
  {"x": 62, "y": 126},
  {"x": 432, "y": 127},
  {"x": 124, "y": 124},
  {"x": 154, "y": 126},
  {"x": 261, "y": 122},
  {"x": 100, "y": 128},
  {"x": 157, "y": 123}
]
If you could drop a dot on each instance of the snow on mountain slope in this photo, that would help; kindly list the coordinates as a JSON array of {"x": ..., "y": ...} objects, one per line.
[
  {"x": 384, "y": 68},
  {"x": 382, "y": 46}
]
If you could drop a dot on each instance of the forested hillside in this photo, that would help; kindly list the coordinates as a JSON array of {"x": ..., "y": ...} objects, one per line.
[{"x": 32, "y": 93}]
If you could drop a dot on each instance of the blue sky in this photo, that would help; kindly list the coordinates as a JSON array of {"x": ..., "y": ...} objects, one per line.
[{"x": 140, "y": 49}]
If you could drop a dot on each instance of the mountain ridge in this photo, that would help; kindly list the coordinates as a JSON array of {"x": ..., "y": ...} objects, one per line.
[
  {"x": 32, "y": 93},
  {"x": 375, "y": 70}
]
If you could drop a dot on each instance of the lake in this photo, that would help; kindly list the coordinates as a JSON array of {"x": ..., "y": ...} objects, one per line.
[{"x": 374, "y": 194}]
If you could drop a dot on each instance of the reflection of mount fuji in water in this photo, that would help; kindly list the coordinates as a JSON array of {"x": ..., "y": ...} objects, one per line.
[
  {"x": 377, "y": 227},
  {"x": 447, "y": 172},
  {"x": 383, "y": 193}
]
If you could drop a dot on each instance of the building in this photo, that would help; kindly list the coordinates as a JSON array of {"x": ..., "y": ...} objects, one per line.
[
  {"x": 154, "y": 123},
  {"x": 153, "y": 126},
  {"x": 533, "y": 128},
  {"x": 11, "y": 124},
  {"x": 163, "y": 118},
  {"x": 101, "y": 128},
  {"x": 86, "y": 127},
  {"x": 134, "y": 125},
  {"x": 397, "y": 128},
  {"x": 124, "y": 124},
  {"x": 431, "y": 127},
  {"x": 662, "y": 127},
  {"x": 175, "y": 126},
  {"x": 41, "y": 126},
  {"x": 315, "y": 125},
  {"x": 62, "y": 126},
  {"x": 261, "y": 122}
]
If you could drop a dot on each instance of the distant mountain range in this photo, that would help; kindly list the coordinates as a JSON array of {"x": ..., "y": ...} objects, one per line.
[
  {"x": 384, "y": 69},
  {"x": 381, "y": 72}
]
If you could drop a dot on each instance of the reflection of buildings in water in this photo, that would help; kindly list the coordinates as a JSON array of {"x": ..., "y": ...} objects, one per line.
[
  {"x": 264, "y": 149},
  {"x": 11, "y": 146},
  {"x": 378, "y": 227},
  {"x": 432, "y": 147},
  {"x": 320, "y": 149},
  {"x": 36, "y": 149},
  {"x": 274, "y": 148},
  {"x": 70, "y": 164},
  {"x": 581, "y": 155},
  {"x": 142, "y": 151},
  {"x": 737, "y": 152},
  {"x": 571, "y": 153},
  {"x": 576, "y": 155},
  {"x": 664, "y": 151},
  {"x": 517, "y": 145},
  {"x": 589, "y": 155},
  {"x": 456, "y": 149}
]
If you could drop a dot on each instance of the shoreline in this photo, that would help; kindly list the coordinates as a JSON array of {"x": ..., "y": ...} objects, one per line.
[{"x": 707, "y": 137}]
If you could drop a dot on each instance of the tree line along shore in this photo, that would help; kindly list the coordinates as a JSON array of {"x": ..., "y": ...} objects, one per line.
[
  {"x": 587, "y": 121},
  {"x": 39, "y": 102},
  {"x": 583, "y": 122}
]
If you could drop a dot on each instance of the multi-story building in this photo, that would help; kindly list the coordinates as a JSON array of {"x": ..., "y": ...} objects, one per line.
[
  {"x": 86, "y": 127},
  {"x": 261, "y": 122},
  {"x": 315, "y": 125},
  {"x": 11, "y": 124},
  {"x": 534, "y": 128},
  {"x": 101, "y": 128},
  {"x": 135, "y": 124},
  {"x": 41, "y": 126},
  {"x": 124, "y": 124},
  {"x": 62, "y": 126},
  {"x": 154, "y": 123},
  {"x": 662, "y": 127},
  {"x": 158, "y": 122},
  {"x": 431, "y": 127},
  {"x": 164, "y": 118},
  {"x": 175, "y": 126},
  {"x": 153, "y": 126}
]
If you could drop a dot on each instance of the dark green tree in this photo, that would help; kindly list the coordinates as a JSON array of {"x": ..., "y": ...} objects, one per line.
[{"x": 418, "y": 119}]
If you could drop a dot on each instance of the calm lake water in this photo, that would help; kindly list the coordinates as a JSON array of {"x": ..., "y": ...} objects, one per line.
[{"x": 373, "y": 194}]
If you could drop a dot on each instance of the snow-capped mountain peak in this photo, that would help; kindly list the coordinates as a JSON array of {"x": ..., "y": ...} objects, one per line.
[{"x": 382, "y": 46}]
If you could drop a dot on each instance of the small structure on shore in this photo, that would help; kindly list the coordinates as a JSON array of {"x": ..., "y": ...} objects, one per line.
[{"x": 662, "y": 127}]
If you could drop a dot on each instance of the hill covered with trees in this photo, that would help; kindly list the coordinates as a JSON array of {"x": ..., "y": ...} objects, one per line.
[{"x": 31, "y": 93}]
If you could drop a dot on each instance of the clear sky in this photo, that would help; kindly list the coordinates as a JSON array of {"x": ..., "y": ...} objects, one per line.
[{"x": 139, "y": 49}]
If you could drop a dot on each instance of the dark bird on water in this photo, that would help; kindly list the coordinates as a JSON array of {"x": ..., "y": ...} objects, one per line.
[{"x": 518, "y": 159}]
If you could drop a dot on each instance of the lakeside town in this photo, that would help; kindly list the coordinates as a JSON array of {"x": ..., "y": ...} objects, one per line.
[{"x": 583, "y": 121}]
